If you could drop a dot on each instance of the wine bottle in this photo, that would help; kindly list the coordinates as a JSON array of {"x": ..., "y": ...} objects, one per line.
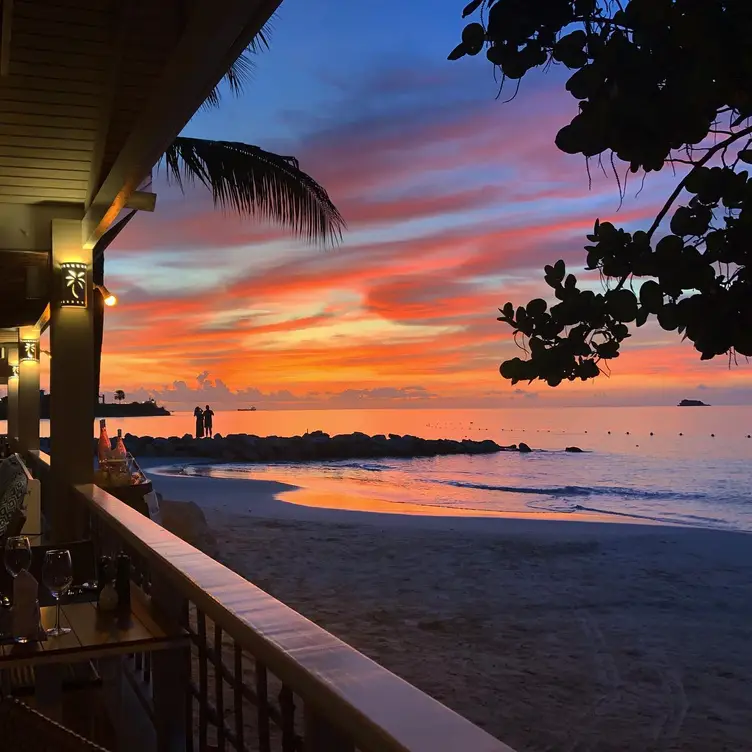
[
  {"x": 120, "y": 451},
  {"x": 104, "y": 449}
]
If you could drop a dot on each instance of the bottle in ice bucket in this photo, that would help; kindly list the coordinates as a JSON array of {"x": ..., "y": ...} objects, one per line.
[
  {"x": 119, "y": 451},
  {"x": 103, "y": 447}
]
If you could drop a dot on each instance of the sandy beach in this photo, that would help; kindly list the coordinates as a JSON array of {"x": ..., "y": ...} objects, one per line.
[{"x": 551, "y": 634}]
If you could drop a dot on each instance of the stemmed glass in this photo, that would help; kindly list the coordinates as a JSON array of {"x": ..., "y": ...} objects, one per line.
[
  {"x": 57, "y": 575},
  {"x": 17, "y": 558},
  {"x": 17, "y": 555}
]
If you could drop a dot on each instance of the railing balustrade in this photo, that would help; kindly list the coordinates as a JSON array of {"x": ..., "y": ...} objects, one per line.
[{"x": 258, "y": 677}]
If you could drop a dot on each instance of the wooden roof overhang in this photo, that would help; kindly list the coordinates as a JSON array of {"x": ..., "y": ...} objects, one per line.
[{"x": 91, "y": 94}]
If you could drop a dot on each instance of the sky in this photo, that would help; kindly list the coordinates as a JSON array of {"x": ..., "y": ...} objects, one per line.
[{"x": 454, "y": 199}]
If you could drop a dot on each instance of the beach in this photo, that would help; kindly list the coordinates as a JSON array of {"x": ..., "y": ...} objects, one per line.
[{"x": 550, "y": 634}]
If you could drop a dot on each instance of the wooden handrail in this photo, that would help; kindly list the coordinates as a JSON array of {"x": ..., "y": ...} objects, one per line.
[{"x": 379, "y": 711}]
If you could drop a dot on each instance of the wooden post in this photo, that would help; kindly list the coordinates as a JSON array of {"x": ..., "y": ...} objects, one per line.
[
  {"x": 13, "y": 398},
  {"x": 170, "y": 673},
  {"x": 321, "y": 736},
  {"x": 28, "y": 389},
  {"x": 71, "y": 382}
]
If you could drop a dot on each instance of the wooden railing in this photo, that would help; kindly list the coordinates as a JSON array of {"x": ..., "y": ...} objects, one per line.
[{"x": 259, "y": 675}]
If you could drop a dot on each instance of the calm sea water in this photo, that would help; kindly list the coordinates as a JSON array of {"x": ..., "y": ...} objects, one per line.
[{"x": 694, "y": 469}]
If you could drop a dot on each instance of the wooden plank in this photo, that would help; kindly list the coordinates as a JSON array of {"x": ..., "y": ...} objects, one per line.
[
  {"x": 60, "y": 198},
  {"x": 203, "y": 682},
  {"x": 62, "y": 184},
  {"x": 32, "y": 41},
  {"x": 59, "y": 29},
  {"x": 262, "y": 707},
  {"x": 74, "y": 14},
  {"x": 47, "y": 97},
  {"x": 219, "y": 690},
  {"x": 69, "y": 84},
  {"x": 30, "y": 66},
  {"x": 375, "y": 708},
  {"x": 74, "y": 62},
  {"x": 15, "y": 130},
  {"x": 237, "y": 695},
  {"x": 69, "y": 166},
  {"x": 12, "y": 149},
  {"x": 64, "y": 194},
  {"x": 57, "y": 109},
  {"x": 34, "y": 120},
  {"x": 93, "y": 5},
  {"x": 16, "y": 139}
]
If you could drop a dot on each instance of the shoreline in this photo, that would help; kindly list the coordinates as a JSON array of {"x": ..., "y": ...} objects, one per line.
[{"x": 275, "y": 500}]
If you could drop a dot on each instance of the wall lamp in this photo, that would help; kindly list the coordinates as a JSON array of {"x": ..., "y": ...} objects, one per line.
[
  {"x": 73, "y": 284},
  {"x": 29, "y": 350},
  {"x": 109, "y": 298}
]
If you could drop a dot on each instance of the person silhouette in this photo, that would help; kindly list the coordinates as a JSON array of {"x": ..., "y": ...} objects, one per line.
[
  {"x": 208, "y": 415},
  {"x": 199, "y": 415}
]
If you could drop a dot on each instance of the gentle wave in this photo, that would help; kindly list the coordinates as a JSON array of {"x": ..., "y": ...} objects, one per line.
[{"x": 577, "y": 491}]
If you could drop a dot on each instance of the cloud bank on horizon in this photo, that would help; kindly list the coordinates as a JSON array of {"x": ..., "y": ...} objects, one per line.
[{"x": 454, "y": 202}]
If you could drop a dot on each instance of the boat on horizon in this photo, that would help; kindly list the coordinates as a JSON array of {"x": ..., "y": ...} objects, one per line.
[{"x": 251, "y": 409}]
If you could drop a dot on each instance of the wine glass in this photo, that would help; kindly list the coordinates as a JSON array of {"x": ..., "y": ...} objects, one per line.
[
  {"x": 17, "y": 554},
  {"x": 57, "y": 575}
]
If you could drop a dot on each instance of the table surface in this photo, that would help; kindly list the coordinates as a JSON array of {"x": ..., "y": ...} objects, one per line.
[{"x": 95, "y": 634}]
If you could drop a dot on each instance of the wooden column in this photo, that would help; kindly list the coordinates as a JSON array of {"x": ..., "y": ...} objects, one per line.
[
  {"x": 71, "y": 383},
  {"x": 28, "y": 389},
  {"x": 13, "y": 398}
]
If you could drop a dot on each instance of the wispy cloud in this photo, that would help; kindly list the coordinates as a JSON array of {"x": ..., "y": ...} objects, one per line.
[{"x": 454, "y": 203}]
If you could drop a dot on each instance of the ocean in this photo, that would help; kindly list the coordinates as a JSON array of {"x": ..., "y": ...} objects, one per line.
[{"x": 688, "y": 465}]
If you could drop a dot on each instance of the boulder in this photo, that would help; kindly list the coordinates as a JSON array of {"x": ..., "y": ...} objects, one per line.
[
  {"x": 523, "y": 447},
  {"x": 573, "y": 449}
]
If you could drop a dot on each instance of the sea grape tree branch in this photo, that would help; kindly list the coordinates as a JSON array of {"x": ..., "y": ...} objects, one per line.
[{"x": 652, "y": 77}]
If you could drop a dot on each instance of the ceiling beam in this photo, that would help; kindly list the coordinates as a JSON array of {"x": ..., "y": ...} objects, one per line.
[{"x": 200, "y": 59}]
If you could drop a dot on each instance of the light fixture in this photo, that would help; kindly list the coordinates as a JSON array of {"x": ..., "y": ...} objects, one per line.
[
  {"x": 13, "y": 372},
  {"x": 3, "y": 354},
  {"x": 29, "y": 350},
  {"x": 109, "y": 298},
  {"x": 73, "y": 284}
]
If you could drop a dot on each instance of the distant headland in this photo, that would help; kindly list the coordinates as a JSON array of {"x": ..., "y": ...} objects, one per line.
[
  {"x": 692, "y": 403},
  {"x": 101, "y": 410}
]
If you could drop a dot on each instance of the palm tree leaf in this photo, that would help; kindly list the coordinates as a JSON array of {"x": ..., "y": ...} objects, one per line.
[
  {"x": 257, "y": 183},
  {"x": 239, "y": 74}
]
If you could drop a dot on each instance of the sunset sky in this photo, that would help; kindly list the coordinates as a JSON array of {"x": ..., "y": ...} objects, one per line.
[{"x": 454, "y": 202}]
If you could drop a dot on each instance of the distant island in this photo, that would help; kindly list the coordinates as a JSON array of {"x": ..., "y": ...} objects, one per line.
[
  {"x": 129, "y": 409},
  {"x": 693, "y": 403},
  {"x": 101, "y": 410}
]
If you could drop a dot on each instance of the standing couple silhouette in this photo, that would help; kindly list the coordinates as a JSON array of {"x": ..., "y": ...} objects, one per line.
[{"x": 203, "y": 421}]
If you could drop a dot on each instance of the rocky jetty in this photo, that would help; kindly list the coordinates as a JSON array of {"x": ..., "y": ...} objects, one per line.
[
  {"x": 241, "y": 447},
  {"x": 312, "y": 446}
]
